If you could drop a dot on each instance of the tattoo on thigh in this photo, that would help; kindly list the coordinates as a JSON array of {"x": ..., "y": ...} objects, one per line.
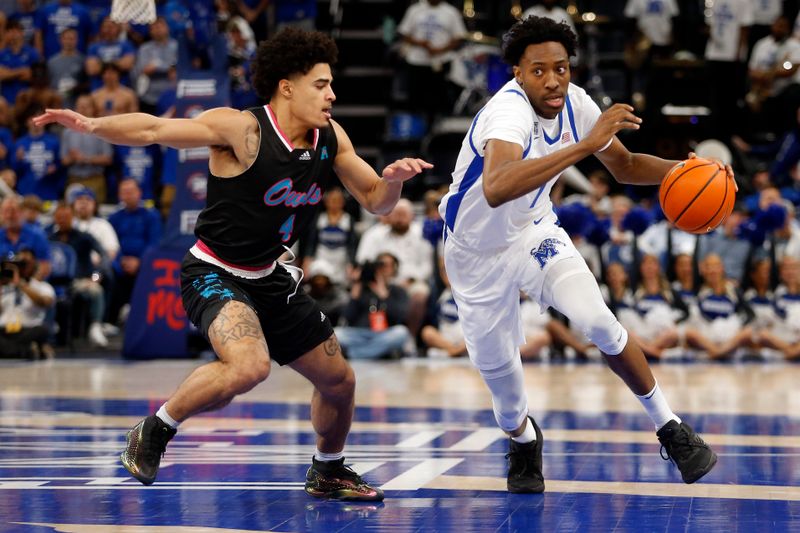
[
  {"x": 331, "y": 346},
  {"x": 235, "y": 322}
]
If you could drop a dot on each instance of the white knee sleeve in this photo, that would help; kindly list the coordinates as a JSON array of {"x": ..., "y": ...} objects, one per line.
[
  {"x": 573, "y": 291},
  {"x": 509, "y": 400}
]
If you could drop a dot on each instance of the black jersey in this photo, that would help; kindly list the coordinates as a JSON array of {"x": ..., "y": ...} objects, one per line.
[{"x": 248, "y": 219}]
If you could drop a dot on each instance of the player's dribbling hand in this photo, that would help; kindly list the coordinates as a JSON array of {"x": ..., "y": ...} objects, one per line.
[
  {"x": 615, "y": 118},
  {"x": 728, "y": 169},
  {"x": 404, "y": 169},
  {"x": 66, "y": 117}
]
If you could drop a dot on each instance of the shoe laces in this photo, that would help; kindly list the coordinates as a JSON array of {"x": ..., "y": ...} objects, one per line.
[
  {"x": 523, "y": 456},
  {"x": 679, "y": 445},
  {"x": 157, "y": 444}
]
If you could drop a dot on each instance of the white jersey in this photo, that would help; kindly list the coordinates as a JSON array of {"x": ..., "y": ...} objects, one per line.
[
  {"x": 654, "y": 18},
  {"x": 509, "y": 117},
  {"x": 438, "y": 25},
  {"x": 727, "y": 17},
  {"x": 558, "y": 14},
  {"x": 766, "y": 11}
]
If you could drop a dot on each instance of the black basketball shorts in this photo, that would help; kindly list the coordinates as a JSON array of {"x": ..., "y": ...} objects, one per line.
[{"x": 291, "y": 329}]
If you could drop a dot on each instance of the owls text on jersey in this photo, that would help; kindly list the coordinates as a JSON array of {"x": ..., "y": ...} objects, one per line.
[{"x": 509, "y": 117}]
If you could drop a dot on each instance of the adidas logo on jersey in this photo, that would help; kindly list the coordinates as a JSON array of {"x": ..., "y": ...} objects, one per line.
[{"x": 305, "y": 156}]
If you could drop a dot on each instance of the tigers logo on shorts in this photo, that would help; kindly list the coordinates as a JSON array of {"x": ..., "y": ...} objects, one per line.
[{"x": 545, "y": 251}]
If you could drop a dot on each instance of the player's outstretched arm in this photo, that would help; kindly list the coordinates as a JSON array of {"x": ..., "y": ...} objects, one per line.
[
  {"x": 215, "y": 127},
  {"x": 378, "y": 194},
  {"x": 627, "y": 167}
]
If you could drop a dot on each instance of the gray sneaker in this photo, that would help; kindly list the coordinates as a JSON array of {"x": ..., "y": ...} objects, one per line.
[{"x": 147, "y": 442}]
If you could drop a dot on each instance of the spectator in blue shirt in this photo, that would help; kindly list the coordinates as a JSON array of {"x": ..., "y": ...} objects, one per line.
[
  {"x": 26, "y": 16},
  {"x": 15, "y": 235},
  {"x": 36, "y": 162},
  {"x": 6, "y": 136},
  {"x": 98, "y": 11},
  {"x": 56, "y": 17},
  {"x": 15, "y": 62},
  {"x": 139, "y": 163},
  {"x": 109, "y": 49},
  {"x": 138, "y": 228},
  {"x": 299, "y": 13}
]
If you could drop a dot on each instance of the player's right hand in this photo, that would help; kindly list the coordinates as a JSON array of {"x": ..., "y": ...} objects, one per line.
[
  {"x": 67, "y": 118},
  {"x": 615, "y": 118}
]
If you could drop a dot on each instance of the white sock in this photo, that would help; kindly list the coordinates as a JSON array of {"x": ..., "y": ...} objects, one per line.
[
  {"x": 657, "y": 407},
  {"x": 327, "y": 457},
  {"x": 164, "y": 416},
  {"x": 529, "y": 435}
]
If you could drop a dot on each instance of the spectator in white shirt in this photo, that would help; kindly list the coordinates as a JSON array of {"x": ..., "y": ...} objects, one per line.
[
  {"x": 430, "y": 30},
  {"x": 764, "y": 14},
  {"x": 403, "y": 239},
  {"x": 773, "y": 73},
  {"x": 552, "y": 10},
  {"x": 82, "y": 200},
  {"x": 726, "y": 52},
  {"x": 654, "y": 22}
]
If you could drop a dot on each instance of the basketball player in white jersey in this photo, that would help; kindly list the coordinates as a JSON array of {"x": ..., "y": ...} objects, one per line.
[{"x": 502, "y": 236}]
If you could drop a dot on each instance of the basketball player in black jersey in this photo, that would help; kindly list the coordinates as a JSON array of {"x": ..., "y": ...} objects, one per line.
[{"x": 268, "y": 170}]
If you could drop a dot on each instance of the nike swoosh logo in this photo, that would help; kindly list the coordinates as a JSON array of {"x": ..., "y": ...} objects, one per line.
[{"x": 536, "y": 222}]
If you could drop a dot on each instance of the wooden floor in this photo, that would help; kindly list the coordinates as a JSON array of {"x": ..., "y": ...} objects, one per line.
[{"x": 423, "y": 430}]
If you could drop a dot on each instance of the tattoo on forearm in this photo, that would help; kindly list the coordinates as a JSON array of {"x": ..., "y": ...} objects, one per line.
[
  {"x": 331, "y": 346},
  {"x": 235, "y": 322}
]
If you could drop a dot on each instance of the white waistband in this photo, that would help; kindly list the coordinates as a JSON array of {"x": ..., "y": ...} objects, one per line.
[{"x": 241, "y": 273}]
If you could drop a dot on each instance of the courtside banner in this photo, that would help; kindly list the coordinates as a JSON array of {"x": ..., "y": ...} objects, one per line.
[{"x": 157, "y": 324}]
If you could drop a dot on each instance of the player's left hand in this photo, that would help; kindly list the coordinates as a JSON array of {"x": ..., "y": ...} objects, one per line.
[
  {"x": 404, "y": 169},
  {"x": 727, "y": 168}
]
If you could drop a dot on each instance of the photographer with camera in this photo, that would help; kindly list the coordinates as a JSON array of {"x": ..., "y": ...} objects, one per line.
[
  {"x": 16, "y": 235},
  {"x": 375, "y": 314},
  {"x": 24, "y": 302}
]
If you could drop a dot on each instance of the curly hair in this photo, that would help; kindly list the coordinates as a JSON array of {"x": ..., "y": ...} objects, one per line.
[
  {"x": 536, "y": 30},
  {"x": 291, "y": 51}
]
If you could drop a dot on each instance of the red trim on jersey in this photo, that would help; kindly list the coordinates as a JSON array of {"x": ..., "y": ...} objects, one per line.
[
  {"x": 274, "y": 120},
  {"x": 206, "y": 250}
]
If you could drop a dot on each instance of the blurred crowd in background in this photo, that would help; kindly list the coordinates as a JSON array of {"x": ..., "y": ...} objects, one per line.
[{"x": 719, "y": 77}]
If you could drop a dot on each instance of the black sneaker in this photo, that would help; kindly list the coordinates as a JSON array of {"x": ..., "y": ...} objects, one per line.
[
  {"x": 147, "y": 442},
  {"x": 335, "y": 481},
  {"x": 687, "y": 450},
  {"x": 525, "y": 464}
]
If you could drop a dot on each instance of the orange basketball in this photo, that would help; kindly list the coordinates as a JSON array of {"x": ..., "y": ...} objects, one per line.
[{"x": 696, "y": 195}]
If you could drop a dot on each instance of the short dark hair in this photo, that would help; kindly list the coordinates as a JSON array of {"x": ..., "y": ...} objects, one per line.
[
  {"x": 536, "y": 30},
  {"x": 291, "y": 51},
  {"x": 110, "y": 66}
]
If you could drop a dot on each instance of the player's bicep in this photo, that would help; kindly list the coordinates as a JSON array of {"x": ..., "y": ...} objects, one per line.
[
  {"x": 215, "y": 127},
  {"x": 497, "y": 153}
]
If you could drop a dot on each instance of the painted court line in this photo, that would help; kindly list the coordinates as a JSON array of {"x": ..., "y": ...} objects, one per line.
[
  {"x": 675, "y": 490},
  {"x": 419, "y": 439},
  {"x": 421, "y": 474},
  {"x": 478, "y": 440}
]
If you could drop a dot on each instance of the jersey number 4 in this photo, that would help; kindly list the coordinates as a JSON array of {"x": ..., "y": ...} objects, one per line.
[{"x": 286, "y": 229}]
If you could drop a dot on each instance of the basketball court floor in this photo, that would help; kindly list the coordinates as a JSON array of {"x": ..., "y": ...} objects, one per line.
[{"x": 423, "y": 430}]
